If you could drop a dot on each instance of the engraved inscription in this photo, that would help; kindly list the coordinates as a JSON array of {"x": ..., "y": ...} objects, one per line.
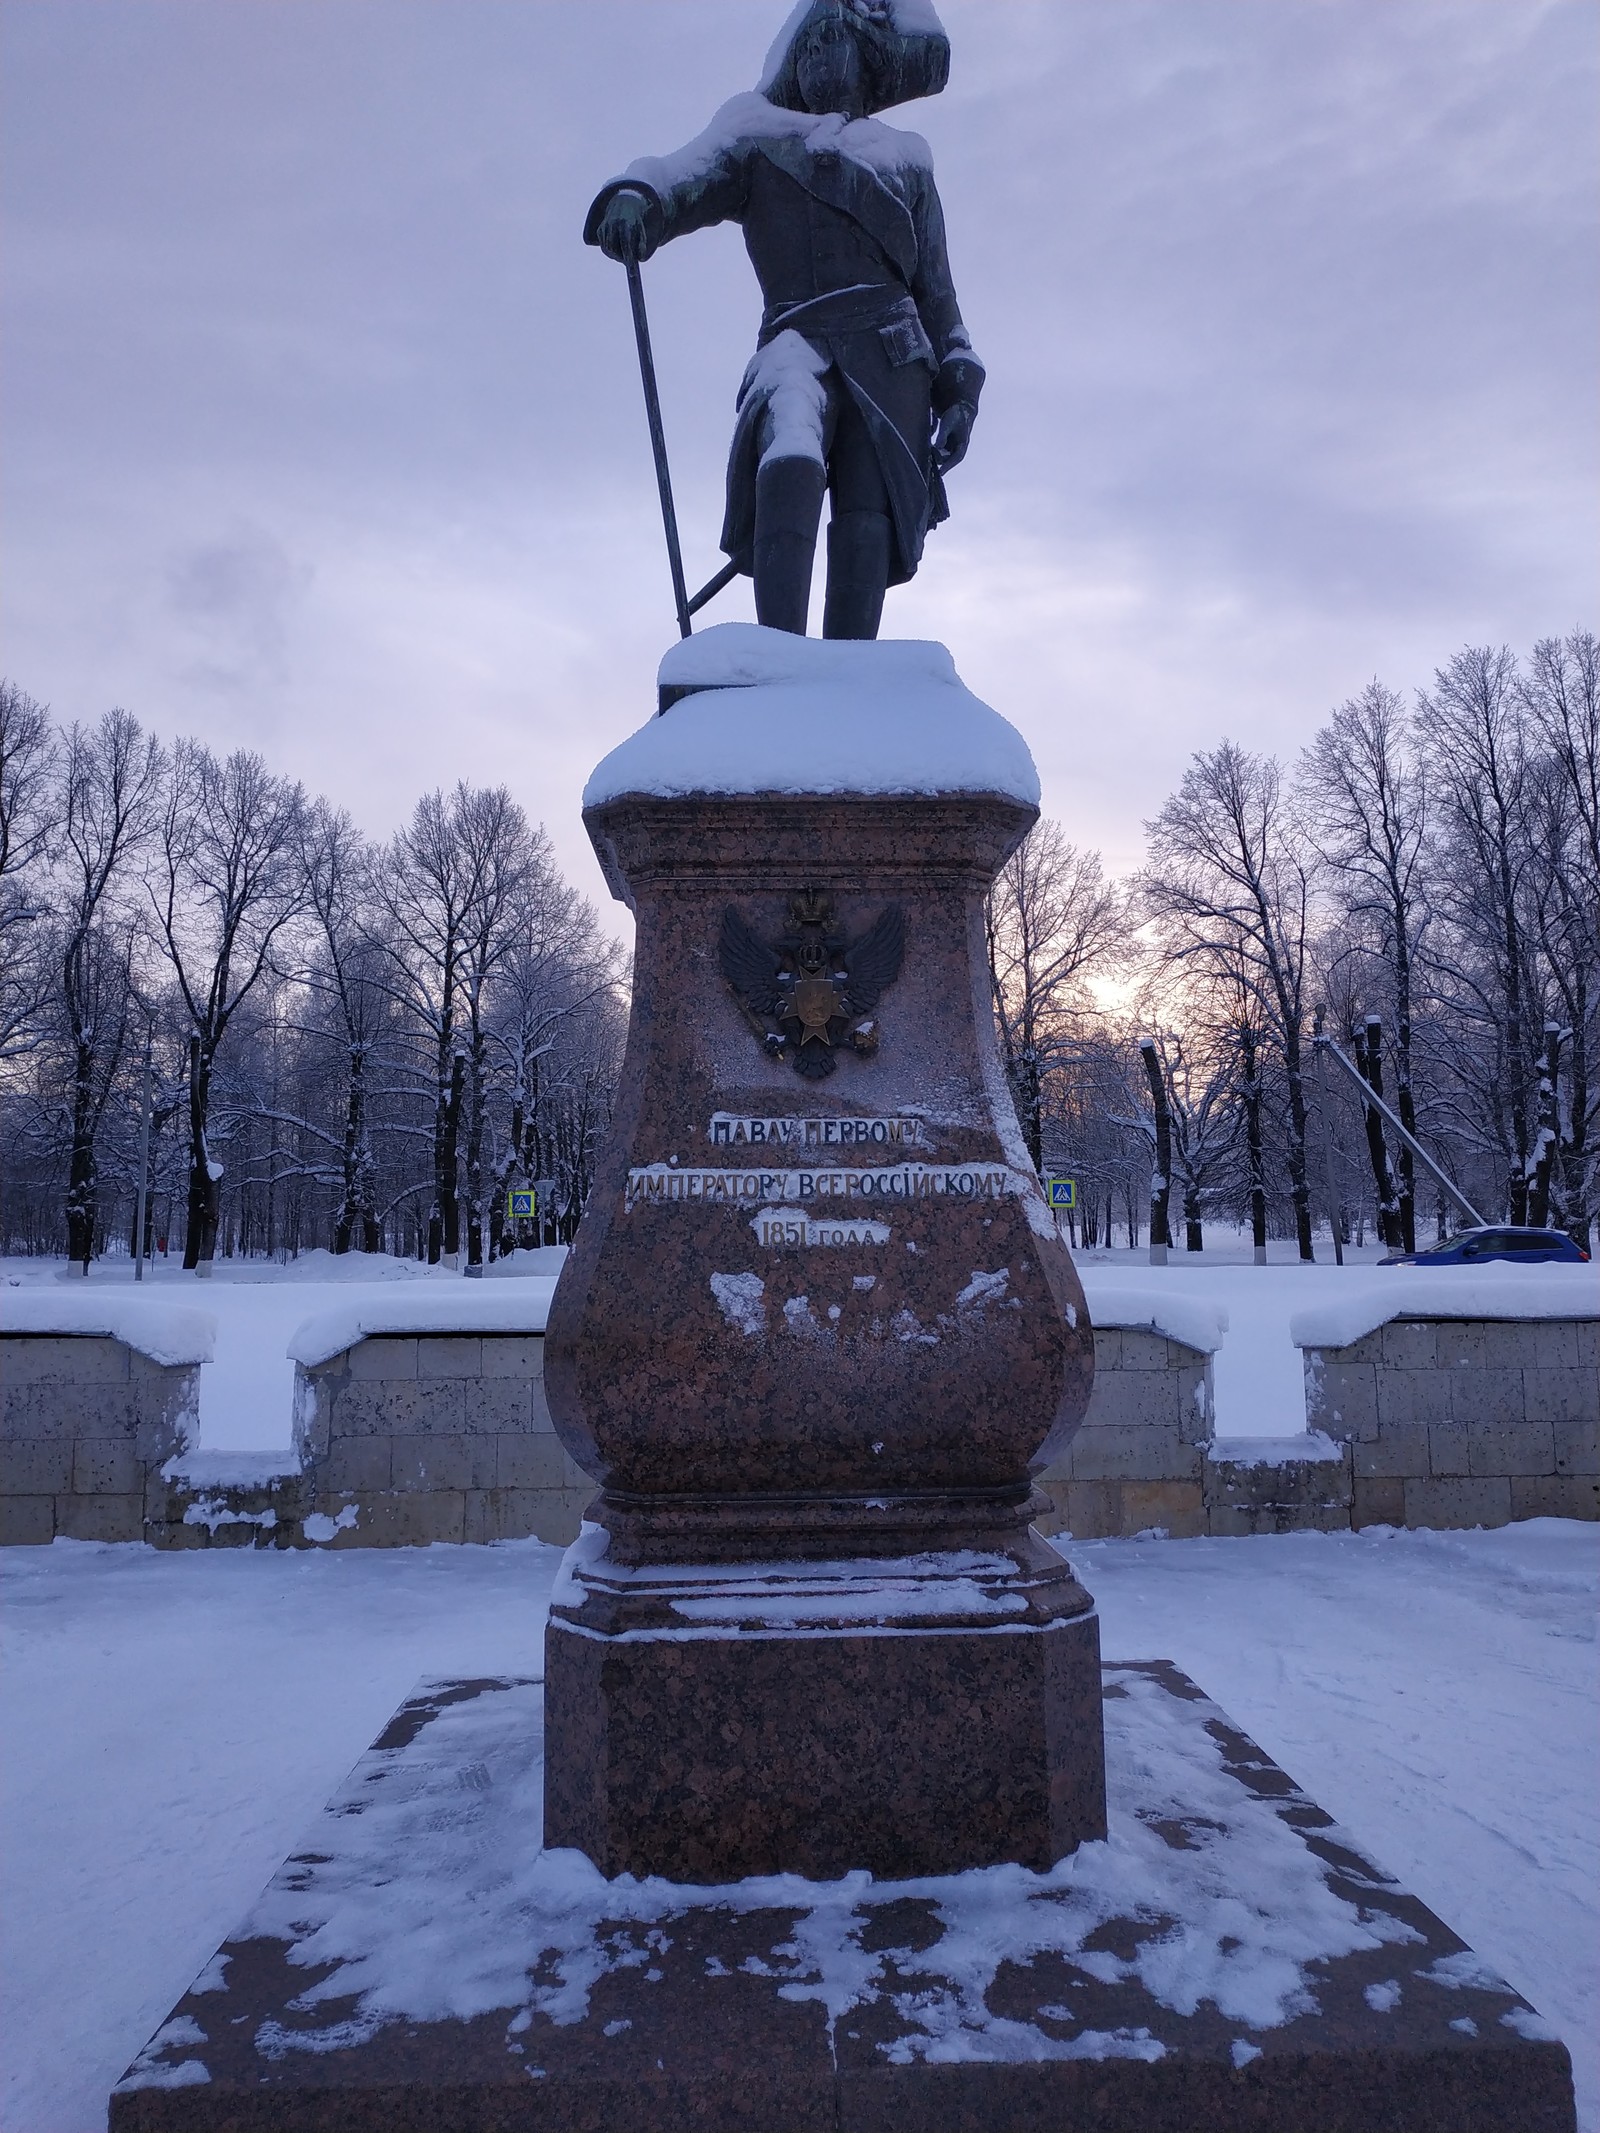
[
  {"x": 654, "y": 1184},
  {"x": 810, "y": 1229},
  {"x": 729, "y": 1130}
]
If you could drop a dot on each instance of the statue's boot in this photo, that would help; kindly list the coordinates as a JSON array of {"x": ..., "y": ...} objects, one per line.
[
  {"x": 858, "y": 573},
  {"x": 788, "y": 507}
]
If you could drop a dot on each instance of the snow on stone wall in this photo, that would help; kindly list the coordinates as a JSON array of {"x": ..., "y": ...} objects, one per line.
[
  {"x": 1196, "y": 1321},
  {"x": 166, "y": 1333},
  {"x": 519, "y": 1307},
  {"x": 1501, "y": 1291}
]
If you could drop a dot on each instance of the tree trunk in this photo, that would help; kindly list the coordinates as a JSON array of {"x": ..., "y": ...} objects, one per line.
[
  {"x": 1253, "y": 1143},
  {"x": 1576, "y": 1182},
  {"x": 1161, "y": 1178},
  {"x": 1299, "y": 1182},
  {"x": 447, "y": 1179},
  {"x": 352, "y": 1208},
  {"x": 1549, "y": 1128},
  {"x": 1403, "y": 1100},
  {"x": 475, "y": 1207},
  {"x": 205, "y": 1190},
  {"x": 1030, "y": 1108},
  {"x": 1369, "y": 1058},
  {"x": 80, "y": 1169},
  {"x": 1515, "y": 1043}
]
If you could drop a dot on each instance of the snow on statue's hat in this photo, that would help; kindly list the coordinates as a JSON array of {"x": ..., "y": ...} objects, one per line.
[{"x": 904, "y": 49}]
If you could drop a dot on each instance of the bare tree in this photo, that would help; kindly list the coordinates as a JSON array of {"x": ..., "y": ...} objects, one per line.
[
  {"x": 1472, "y": 731},
  {"x": 108, "y": 801},
  {"x": 1053, "y": 922},
  {"x": 1364, "y": 801},
  {"x": 229, "y": 879},
  {"x": 500, "y": 858},
  {"x": 1561, "y": 692},
  {"x": 344, "y": 976},
  {"x": 1202, "y": 1093},
  {"x": 1230, "y": 899},
  {"x": 444, "y": 897},
  {"x": 27, "y": 768},
  {"x": 559, "y": 968}
]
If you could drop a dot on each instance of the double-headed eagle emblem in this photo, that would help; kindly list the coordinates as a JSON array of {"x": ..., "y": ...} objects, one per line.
[{"x": 812, "y": 989}]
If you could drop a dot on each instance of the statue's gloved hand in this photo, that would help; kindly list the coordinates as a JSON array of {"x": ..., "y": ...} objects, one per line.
[
  {"x": 953, "y": 435},
  {"x": 624, "y": 231}
]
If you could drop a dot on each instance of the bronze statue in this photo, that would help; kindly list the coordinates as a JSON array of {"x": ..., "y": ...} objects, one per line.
[{"x": 864, "y": 383}]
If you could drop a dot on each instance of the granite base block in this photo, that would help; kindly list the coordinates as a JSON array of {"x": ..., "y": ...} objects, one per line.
[
  {"x": 915, "y": 1715},
  {"x": 1227, "y": 1959}
]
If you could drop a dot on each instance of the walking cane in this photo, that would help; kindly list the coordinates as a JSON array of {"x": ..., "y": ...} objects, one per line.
[{"x": 658, "y": 443}]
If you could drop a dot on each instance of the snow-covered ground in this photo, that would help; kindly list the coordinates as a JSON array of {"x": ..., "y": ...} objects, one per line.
[
  {"x": 172, "y": 1724},
  {"x": 246, "y": 1393}
]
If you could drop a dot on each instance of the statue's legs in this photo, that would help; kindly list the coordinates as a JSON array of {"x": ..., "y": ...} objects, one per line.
[
  {"x": 790, "y": 484},
  {"x": 860, "y": 537},
  {"x": 788, "y": 508}
]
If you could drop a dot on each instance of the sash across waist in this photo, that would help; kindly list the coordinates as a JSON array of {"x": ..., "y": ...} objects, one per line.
[{"x": 861, "y": 309}]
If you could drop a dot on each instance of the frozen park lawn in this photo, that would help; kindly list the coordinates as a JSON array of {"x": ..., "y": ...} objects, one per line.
[{"x": 173, "y": 1723}]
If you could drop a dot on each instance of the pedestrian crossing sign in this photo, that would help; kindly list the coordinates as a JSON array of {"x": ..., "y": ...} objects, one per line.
[
  {"x": 1061, "y": 1192},
  {"x": 519, "y": 1206}
]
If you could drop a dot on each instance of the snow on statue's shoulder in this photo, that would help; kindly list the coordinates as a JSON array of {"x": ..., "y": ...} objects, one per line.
[{"x": 774, "y": 713}]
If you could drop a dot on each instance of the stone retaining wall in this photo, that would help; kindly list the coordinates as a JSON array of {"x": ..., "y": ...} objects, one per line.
[
  {"x": 1288, "y": 1486},
  {"x": 407, "y": 1439},
  {"x": 86, "y": 1424},
  {"x": 1138, "y": 1462},
  {"x": 1464, "y": 1422}
]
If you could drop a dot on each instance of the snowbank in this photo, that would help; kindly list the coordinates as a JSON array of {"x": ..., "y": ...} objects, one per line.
[
  {"x": 1505, "y": 1291},
  {"x": 783, "y": 714},
  {"x": 1274, "y": 1451},
  {"x": 1134, "y": 1306},
  {"x": 167, "y": 1333},
  {"x": 465, "y": 1307}
]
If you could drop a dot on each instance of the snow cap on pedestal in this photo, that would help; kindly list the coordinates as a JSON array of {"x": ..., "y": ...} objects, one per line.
[{"x": 775, "y": 713}]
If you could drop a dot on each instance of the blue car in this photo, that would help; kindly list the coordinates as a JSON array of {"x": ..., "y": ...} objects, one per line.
[{"x": 1526, "y": 1247}]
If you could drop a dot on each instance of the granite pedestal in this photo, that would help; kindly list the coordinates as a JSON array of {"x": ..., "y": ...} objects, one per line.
[
  {"x": 1227, "y": 1960},
  {"x": 818, "y": 1328}
]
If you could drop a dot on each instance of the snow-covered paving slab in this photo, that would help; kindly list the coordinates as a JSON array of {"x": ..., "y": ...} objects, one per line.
[
  {"x": 173, "y": 1723},
  {"x": 421, "y": 1936}
]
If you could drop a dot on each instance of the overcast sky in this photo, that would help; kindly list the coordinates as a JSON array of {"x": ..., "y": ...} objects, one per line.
[{"x": 324, "y": 435}]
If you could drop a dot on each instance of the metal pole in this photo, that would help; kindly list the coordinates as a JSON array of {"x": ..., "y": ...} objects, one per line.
[
  {"x": 1376, "y": 1102},
  {"x": 1327, "y": 1148},
  {"x": 658, "y": 444},
  {"x": 144, "y": 1163}
]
